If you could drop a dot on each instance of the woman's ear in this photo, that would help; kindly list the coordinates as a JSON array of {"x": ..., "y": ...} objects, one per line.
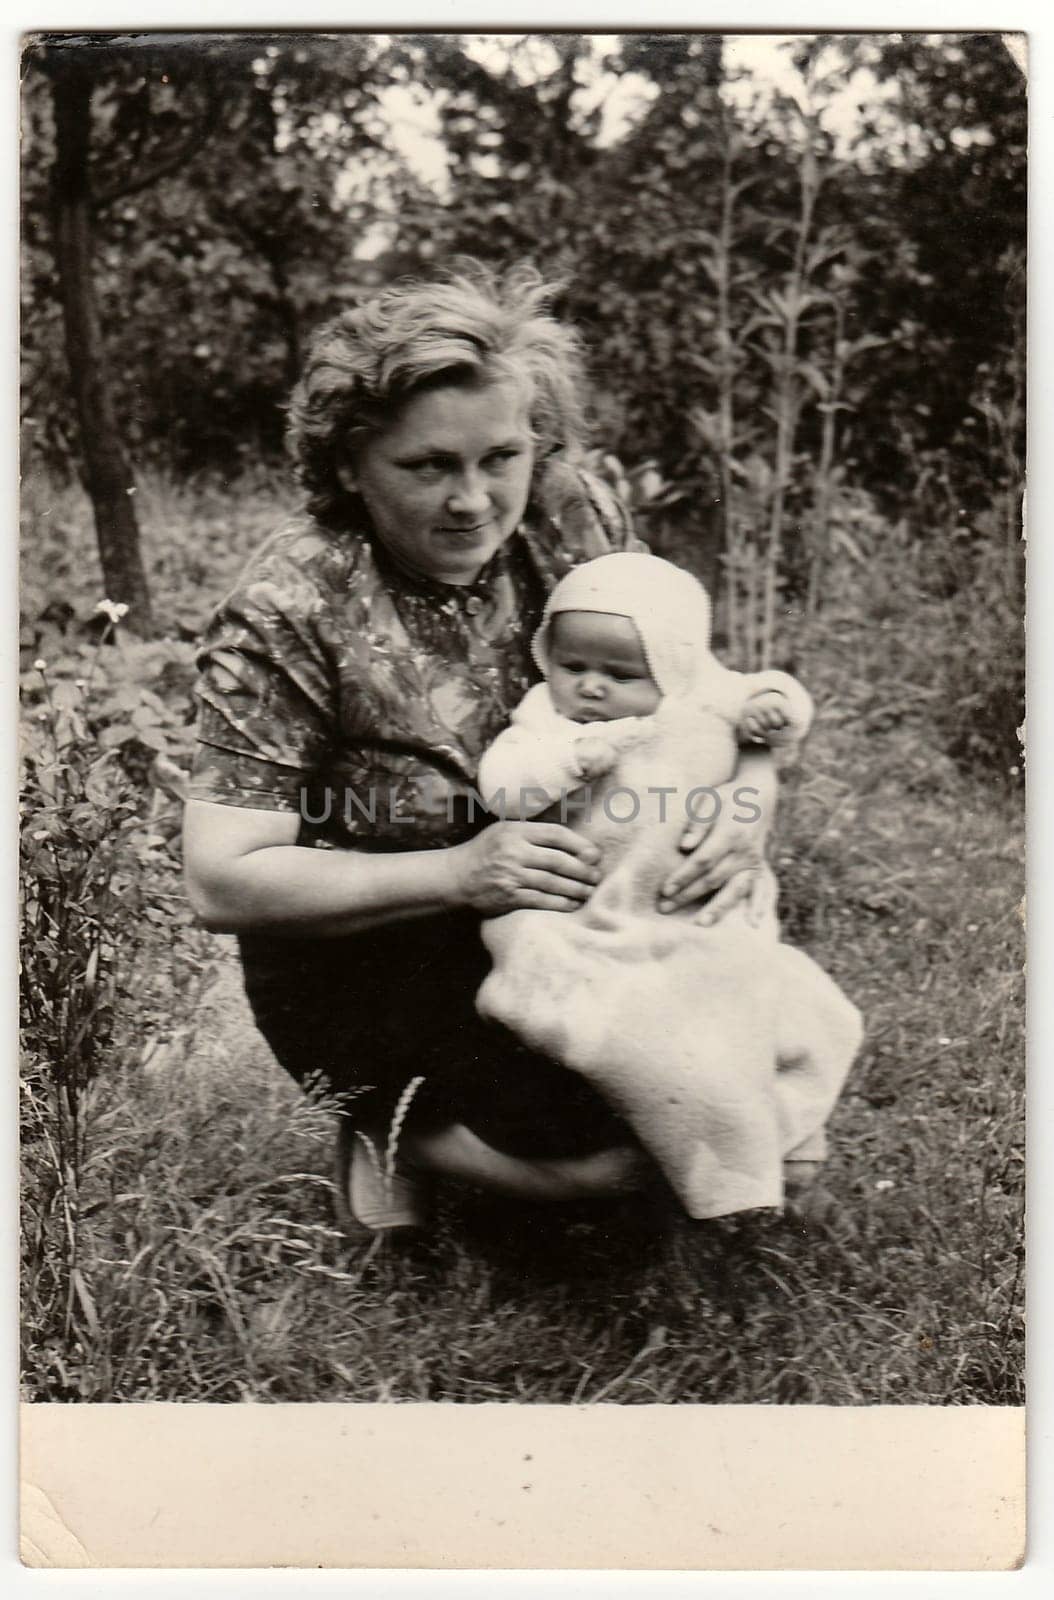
[{"x": 347, "y": 476}]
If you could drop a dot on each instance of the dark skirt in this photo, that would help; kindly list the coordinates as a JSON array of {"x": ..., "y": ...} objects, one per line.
[{"x": 363, "y": 1015}]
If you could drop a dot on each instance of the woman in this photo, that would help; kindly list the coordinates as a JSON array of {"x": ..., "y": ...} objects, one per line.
[{"x": 368, "y": 655}]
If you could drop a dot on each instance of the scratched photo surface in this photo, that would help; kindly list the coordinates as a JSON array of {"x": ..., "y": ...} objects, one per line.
[{"x": 697, "y": 478}]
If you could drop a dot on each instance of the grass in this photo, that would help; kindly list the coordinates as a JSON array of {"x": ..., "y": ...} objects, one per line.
[{"x": 210, "y": 1267}]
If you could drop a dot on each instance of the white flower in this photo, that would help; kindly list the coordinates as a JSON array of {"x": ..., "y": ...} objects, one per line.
[
  {"x": 40, "y": 665},
  {"x": 114, "y": 609},
  {"x": 943, "y": 1040},
  {"x": 80, "y": 683},
  {"x": 883, "y": 1184}
]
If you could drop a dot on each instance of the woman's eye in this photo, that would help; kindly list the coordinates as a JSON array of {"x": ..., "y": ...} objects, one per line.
[{"x": 502, "y": 458}]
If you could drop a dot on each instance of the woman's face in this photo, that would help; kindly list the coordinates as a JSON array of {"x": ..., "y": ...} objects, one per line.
[{"x": 446, "y": 483}]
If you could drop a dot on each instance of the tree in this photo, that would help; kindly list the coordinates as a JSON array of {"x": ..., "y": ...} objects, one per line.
[
  {"x": 108, "y": 474},
  {"x": 196, "y": 224},
  {"x": 109, "y": 142},
  {"x": 768, "y": 332},
  {"x": 937, "y": 196}
]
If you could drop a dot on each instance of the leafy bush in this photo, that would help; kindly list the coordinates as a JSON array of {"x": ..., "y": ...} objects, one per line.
[
  {"x": 980, "y": 715},
  {"x": 99, "y": 901}
]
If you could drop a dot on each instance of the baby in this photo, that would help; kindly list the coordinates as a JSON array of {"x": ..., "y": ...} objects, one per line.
[
  {"x": 618, "y": 635},
  {"x": 723, "y": 1048}
]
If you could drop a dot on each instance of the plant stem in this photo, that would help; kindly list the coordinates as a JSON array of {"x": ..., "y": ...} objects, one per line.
[
  {"x": 787, "y": 399},
  {"x": 822, "y": 485}
]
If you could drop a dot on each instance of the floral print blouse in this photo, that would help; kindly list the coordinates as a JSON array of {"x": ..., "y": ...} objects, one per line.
[{"x": 336, "y": 684}]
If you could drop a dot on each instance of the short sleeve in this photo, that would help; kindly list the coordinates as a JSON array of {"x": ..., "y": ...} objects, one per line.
[{"x": 267, "y": 696}]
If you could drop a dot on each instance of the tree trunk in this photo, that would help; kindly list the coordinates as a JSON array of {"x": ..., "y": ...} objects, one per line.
[
  {"x": 107, "y": 471},
  {"x": 270, "y": 250},
  {"x": 713, "y": 61}
]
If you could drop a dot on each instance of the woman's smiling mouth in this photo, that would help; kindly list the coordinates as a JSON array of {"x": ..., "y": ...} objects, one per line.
[{"x": 464, "y": 533}]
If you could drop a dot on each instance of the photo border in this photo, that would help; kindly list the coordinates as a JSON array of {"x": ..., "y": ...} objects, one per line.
[{"x": 615, "y": 18}]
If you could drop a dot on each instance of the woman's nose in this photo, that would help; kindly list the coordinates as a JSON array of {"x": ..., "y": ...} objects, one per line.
[{"x": 469, "y": 495}]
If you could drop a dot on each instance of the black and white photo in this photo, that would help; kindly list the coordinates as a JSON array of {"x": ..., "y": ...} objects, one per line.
[{"x": 522, "y": 700}]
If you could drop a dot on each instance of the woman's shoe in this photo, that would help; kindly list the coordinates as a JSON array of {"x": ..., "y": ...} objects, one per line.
[{"x": 368, "y": 1199}]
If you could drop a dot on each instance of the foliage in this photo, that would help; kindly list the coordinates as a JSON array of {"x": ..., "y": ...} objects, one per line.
[
  {"x": 226, "y": 253},
  {"x": 785, "y": 324},
  {"x": 109, "y": 955},
  {"x": 230, "y": 256},
  {"x": 941, "y": 204},
  {"x": 767, "y": 317},
  {"x": 99, "y": 901}
]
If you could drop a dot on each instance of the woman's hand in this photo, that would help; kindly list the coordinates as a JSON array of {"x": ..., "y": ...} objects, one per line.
[
  {"x": 755, "y": 888},
  {"x": 726, "y": 854},
  {"x": 524, "y": 866}
]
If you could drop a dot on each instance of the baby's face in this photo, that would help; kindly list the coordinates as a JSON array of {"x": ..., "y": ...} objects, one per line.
[{"x": 597, "y": 668}]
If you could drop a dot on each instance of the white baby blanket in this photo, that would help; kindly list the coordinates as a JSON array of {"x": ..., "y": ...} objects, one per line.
[{"x": 722, "y": 1048}]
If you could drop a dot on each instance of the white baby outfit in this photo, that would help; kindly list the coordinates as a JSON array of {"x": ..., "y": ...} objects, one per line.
[
  {"x": 723, "y": 1049},
  {"x": 533, "y": 764}
]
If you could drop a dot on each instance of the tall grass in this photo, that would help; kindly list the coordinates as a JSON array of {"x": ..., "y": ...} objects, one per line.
[
  {"x": 217, "y": 1273},
  {"x": 782, "y": 296}
]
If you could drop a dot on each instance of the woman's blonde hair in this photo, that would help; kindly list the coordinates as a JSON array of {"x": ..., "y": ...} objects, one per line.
[{"x": 468, "y": 325}]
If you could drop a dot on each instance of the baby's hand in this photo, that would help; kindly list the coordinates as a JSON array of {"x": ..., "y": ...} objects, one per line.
[
  {"x": 765, "y": 718},
  {"x": 594, "y": 756}
]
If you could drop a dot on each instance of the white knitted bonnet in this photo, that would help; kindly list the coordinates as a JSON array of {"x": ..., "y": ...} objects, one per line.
[{"x": 668, "y": 607}]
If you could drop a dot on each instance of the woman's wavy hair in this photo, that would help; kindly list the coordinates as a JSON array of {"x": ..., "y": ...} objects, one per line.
[{"x": 469, "y": 324}]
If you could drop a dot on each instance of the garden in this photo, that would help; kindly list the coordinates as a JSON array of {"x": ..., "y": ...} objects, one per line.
[{"x": 809, "y": 369}]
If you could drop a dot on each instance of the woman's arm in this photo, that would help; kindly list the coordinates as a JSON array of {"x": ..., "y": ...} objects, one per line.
[
  {"x": 727, "y": 854},
  {"x": 245, "y": 871}
]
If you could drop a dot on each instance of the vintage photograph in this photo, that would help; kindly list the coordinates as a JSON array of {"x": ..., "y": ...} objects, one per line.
[{"x": 522, "y": 679}]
